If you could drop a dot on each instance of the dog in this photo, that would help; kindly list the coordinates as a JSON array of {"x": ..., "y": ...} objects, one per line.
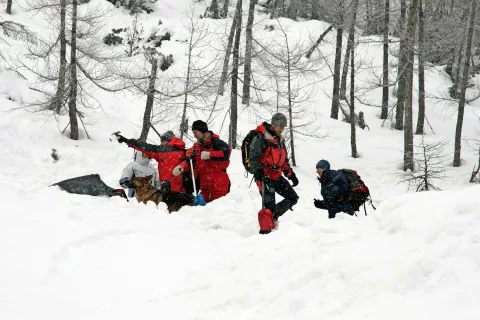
[{"x": 144, "y": 191}]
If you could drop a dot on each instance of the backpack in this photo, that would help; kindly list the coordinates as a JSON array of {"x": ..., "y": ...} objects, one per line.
[
  {"x": 358, "y": 192},
  {"x": 246, "y": 148}
]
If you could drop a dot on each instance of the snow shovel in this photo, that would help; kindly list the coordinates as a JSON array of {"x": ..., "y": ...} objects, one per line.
[
  {"x": 265, "y": 216},
  {"x": 198, "y": 199}
]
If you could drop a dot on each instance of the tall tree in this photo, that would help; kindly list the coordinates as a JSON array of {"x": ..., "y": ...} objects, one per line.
[
  {"x": 385, "y": 89},
  {"x": 346, "y": 62},
  {"x": 225, "y": 8},
  {"x": 9, "y": 6},
  {"x": 348, "y": 51},
  {"x": 338, "y": 63},
  {"x": 466, "y": 72},
  {"x": 247, "y": 69},
  {"x": 228, "y": 51},
  {"x": 351, "y": 44},
  {"x": 232, "y": 138},
  {"x": 401, "y": 68},
  {"x": 72, "y": 104},
  {"x": 421, "y": 70},
  {"x": 57, "y": 102},
  {"x": 408, "y": 161},
  {"x": 214, "y": 9},
  {"x": 150, "y": 96}
]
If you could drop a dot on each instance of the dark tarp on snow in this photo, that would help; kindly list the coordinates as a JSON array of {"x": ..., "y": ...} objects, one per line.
[{"x": 90, "y": 185}]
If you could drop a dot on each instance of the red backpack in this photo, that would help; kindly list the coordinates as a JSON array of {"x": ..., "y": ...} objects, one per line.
[{"x": 358, "y": 193}]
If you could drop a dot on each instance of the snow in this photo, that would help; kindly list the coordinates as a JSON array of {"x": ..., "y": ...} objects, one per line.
[{"x": 68, "y": 256}]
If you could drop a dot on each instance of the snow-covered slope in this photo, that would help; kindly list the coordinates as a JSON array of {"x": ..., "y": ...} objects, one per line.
[{"x": 78, "y": 257}]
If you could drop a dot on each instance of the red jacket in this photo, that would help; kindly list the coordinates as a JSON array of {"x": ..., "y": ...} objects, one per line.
[
  {"x": 168, "y": 157},
  {"x": 219, "y": 155},
  {"x": 214, "y": 180},
  {"x": 268, "y": 152}
]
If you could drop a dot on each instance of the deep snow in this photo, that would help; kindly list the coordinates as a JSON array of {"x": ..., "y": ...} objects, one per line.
[{"x": 78, "y": 257}]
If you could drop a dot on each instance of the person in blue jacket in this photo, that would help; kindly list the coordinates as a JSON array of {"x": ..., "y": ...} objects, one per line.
[{"x": 334, "y": 188}]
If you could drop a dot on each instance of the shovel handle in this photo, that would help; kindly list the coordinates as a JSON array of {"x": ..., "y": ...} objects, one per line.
[{"x": 193, "y": 177}]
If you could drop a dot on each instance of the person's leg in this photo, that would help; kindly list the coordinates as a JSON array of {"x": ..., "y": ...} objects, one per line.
[
  {"x": 265, "y": 216},
  {"x": 283, "y": 188},
  {"x": 221, "y": 183}
]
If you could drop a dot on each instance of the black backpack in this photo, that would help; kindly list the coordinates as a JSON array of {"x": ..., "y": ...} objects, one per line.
[
  {"x": 358, "y": 192},
  {"x": 246, "y": 149}
]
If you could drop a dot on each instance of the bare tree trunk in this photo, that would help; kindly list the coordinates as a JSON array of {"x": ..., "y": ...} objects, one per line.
[
  {"x": 368, "y": 16},
  {"x": 338, "y": 62},
  {"x": 421, "y": 70},
  {"x": 273, "y": 12},
  {"x": 401, "y": 68},
  {"x": 385, "y": 89},
  {"x": 292, "y": 142},
  {"x": 60, "y": 94},
  {"x": 319, "y": 40},
  {"x": 458, "y": 64},
  {"x": 466, "y": 69},
  {"x": 351, "y": 48},
  {"x": 346, "y": 61},
  {"x": 149, "y": 105},
  {"x": 225, "y": 8},
  {"x": 353, "y": 132},
  {"x": 214, "y": 9},
  {"x": 223, "y": 77},
  {"x": 408, "y": 163},
  {"x": 187, "y": 84},
  {"x": 72, "y": 104},
  {"x": 247, "y": 69},
  {"x": 233, "y": 97},
  {"x": 290, "y": 102},
  {"x": 9, "y": 6}
]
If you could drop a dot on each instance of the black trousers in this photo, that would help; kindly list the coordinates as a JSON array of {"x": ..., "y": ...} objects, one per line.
[
  {"x": 283, "y": 188},
  {"x": 334, "y": 207}
]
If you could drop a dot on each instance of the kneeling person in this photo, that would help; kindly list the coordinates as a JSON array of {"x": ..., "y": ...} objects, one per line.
[
  {"x": 334, "y": 188},
  {"x": 141, "y": 167}
]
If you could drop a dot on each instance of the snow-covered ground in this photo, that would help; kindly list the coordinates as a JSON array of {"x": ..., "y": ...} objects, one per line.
[{"x": 70, "y": 256}]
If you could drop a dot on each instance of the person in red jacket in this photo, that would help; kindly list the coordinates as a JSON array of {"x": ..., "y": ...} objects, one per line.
[
  {"x": 210, "y": 157},
  {"x": 268, "y": 160},
  {"x": 168, "y": 154}
]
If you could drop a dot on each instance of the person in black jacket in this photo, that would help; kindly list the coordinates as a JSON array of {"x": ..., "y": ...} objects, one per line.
[{"x": 334, "y": 190}]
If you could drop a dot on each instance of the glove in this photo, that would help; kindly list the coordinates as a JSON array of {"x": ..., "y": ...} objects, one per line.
[
  {"x": 294, "y": 179},
  {"x": 318, "y": 204},
  {"x": 205, "y": 155},
  {"x": 331, "y": 215},
  {"x": 260, "y": 176},
  {"x": 178, "y": 170},
  {"x": 126, "y": 183},
  {"x": 120, "y": 138}
]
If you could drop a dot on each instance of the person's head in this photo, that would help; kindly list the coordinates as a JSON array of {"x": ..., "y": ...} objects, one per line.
[
  {"x": 199, "y": 129},
  {"x": 278, "y": 124},
  {"x": 142, "y": 158},
  {"x": 322, "y": 165},
  {"x": 166, "y": 137}
]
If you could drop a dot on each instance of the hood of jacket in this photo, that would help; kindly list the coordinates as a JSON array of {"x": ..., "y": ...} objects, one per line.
[{"x": 266, "y": 129}]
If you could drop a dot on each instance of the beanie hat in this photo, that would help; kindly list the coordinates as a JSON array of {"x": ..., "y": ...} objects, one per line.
[
  {"x": 167, "y": 136},
  {"x": 279, "y": 120},
  {"x": 324, "y": 164},
  {"x": 199, "y": 125}
]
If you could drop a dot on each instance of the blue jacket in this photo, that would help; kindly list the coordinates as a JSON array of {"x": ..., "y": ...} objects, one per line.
[{"x": 334, "y": 185}]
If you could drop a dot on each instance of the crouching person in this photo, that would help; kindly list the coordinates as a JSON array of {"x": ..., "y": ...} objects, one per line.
[
  {"x": 168, "y": 154},
  {"x": 210, "y": 157},
  {"x": 268, "y": 160},
  {"x": 141, "y": 167},
  {"x": 334, "y": 188}
]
